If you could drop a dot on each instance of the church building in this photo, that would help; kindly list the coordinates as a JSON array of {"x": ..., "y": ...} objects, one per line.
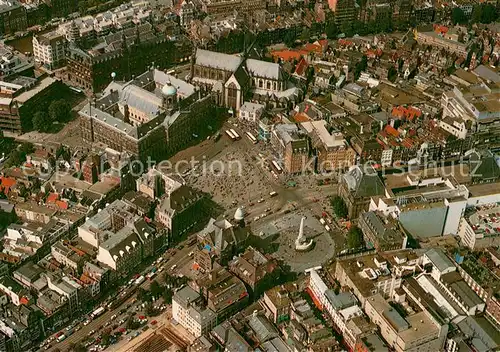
[{"x": 237, "y": 79}]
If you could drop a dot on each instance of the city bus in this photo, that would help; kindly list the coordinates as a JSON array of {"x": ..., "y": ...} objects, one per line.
[
  {"x": 97, "y": 312},
  {"x": 231, "y": 135},
  {"x": 276, "y": 166},
  {"x": 236, "y": 135},
  {"x": 251, "y": 137}
]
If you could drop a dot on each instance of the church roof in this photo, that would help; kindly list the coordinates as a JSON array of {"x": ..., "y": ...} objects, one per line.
[
  {"x": 264, "y": 69},
  {"x": 218, "y": 60},
  {"x": 364, "y": 184}
]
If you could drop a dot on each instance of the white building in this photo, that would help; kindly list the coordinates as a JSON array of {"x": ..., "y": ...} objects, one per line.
[
  {"x": 122, "y": 239},
  {"x": 441, "y": 264},
  {"x": 455, "y": 126},
  {"x": 480, "y": 226},
  {"x": 49, "y": 49},
  {"x": 251, "y": 111},
  {"x": 188, "y": 313},
  {"x": 416, "y": 332},
  {"x": 342, "y": 307}
]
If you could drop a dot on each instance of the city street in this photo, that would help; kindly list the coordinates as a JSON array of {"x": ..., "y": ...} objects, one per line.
[{"x": 180, "y": 258}]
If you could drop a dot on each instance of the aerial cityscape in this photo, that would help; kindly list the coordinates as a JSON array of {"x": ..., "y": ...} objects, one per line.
[{"x": 249, "y": 175}]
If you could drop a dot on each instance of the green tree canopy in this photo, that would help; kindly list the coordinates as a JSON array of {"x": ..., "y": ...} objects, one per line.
[
  {"x": 331, "y": 30},
  {"x": 132, "y": 324},
  {"x": 305, "y": 35},
  {"x": 355, "y": 238},
  {"x": 339, "y": 207},
  {"x": 156, "y": 289},
  {"x": 290, "y": 39},
  {"x": 458, "y": 16},
  {"x": 76, "y": 347},
  {"x": 41, "y": 121},
  {"x": 392, "y": 74},
  {"x": 59, "y": 110},
  {"x": 143, "y": 295}
]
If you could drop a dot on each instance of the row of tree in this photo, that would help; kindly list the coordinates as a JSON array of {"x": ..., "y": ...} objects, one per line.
[
  {"x": 58, "y": 111},
  {"x": 482, "y": 13}
]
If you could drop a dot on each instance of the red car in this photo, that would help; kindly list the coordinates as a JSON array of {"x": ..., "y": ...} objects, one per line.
[
  {"x": 59, "y": 333},
  {"x": 154, "y": 322},
  {"x": 142, "y": 317}
]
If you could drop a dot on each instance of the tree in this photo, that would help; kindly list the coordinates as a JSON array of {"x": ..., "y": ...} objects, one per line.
[
  {"x": 458, "y": 16},
  {"x": 355, "y": 238},
  {"x": 143, "y": 295},
  {"x": 76, "y": 347},
  {"x": 62, "y": 152},
  {"x": 155, "y": 289},
  {"x": 27, "y": 148},
  {"x": 105, "y": 338},
  {"x": 132, "y": 324},
  {"x": 150, "y": 310},
  {"x": 59, "y": 110},
  {"x": 23, "y": 191},
  {"x": 331, "y": 30},
  {"x": 339, "y": 207},
  {"x": 392, "y": 74},
  {"x": 489, "y": 13},
  {"x": 167, "y": 295},
  {"x": 360, "y": 66},
  {"x": 290, "y": 39},
  {"x": 305, "y": 35},
  {"x": 41, "y": 121}
]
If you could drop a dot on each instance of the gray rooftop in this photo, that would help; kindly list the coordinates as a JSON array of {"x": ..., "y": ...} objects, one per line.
[
  {"x": 342, "y": 300},
  {"x": 5, "y": 206},
  {"x": 220, "y": 61},
  {"x": 466, "y": 294},
  {"x": 262, "y": 328},
  {"x": 487, "y": 73},
  {"x": 186, "y": 295},
  {"x": 439, "y": 259},
  {"x": 265, "y": 69},
  {"x": 484, "y": 335},
  {"x": 397, "y": 321},
  {"x": 364, "y": 183}
]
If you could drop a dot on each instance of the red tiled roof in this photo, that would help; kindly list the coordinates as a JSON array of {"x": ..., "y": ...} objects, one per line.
[
  {"x": 7, "y": 182},
  {"x": 52, "y": 198},
  {"x": 288, "y": 55},
  {"x": 312, "y": 47},
  {"x": 24, "y": 300},
  {"x": 407, "y": 142},
  {"x": 62, "y": 204},
  {"x": 409, "y": 113},
  {"x": 391, "y": 130},
  {"x": 301, "y": 67},
  {"x": 440, "y": 29},
  {"x": 323, "y": 43},
  {"x": 345, "y": 42},
  {"x": 301, "y": 117}
]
